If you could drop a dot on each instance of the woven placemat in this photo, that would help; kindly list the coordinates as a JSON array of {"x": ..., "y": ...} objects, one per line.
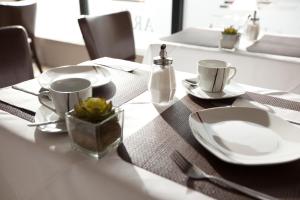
[
  {"x": 273, "y": 101},
  {"x": 123, "y": 87},
  {"x": 150, "y": 148},
  {"x": 17, "y": 111}
]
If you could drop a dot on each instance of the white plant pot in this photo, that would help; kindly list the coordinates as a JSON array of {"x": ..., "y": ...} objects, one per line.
[{"x": 229, "y": 41}]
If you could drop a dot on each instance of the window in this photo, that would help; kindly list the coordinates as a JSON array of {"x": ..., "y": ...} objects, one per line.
[
  {"x": 151, "y": 19},
  {"x": 276, "y": 16},
  {"x": 57, "y": 19}
]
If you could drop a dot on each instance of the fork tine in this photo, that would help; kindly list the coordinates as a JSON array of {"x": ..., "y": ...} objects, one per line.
[
  {"x": 180, "y": 161},
  {"x": 183, "y": 159},
  {"x": 192, "y": 171},
  {"x": 177, "y": 161}
]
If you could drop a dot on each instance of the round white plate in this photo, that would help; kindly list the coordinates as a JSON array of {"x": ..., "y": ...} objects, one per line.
[
  {"x": 96, "y": 74},
  {"x": 246, "y": 136},
  {"x": 230, "y": 91},
  {"x": 43, "y": 114}
]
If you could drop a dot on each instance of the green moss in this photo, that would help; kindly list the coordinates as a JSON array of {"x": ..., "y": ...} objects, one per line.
[
  {"x": 230, "y": 31},
  {"x": 93, "y": 109}
]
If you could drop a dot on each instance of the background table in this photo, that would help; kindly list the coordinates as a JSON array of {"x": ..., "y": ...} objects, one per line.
[{"x": 257, "y": 69}]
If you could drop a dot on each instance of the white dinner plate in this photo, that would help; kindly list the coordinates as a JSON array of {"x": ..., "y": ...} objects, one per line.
[
  {"x": 43, "y": 114},
  {"x": 231, "y": 90},
  {"x": 246, "y": 136},
  {"x": 96, "y": 74}
]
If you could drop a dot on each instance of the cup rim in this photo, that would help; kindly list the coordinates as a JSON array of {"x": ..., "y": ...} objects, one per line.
[
  {"x": 65, "y": 92},
  {"x": 226, "y": 64}
]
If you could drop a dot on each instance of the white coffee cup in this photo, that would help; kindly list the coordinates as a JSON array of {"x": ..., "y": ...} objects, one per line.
[
  {"x": 65, "y": 93},
  {"x": 214, "y": 75}
]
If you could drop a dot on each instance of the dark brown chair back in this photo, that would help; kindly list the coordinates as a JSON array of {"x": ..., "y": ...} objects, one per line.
[
  {"x": 21, "y": 13},
  {"x": 15, "y": 56},
  {"x": 108, "y": 35}
]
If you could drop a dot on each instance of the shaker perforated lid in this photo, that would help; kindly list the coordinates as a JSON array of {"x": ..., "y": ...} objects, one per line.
[
  {"x": 255, "y": 18},
  {"x": 162, "y": 59}
]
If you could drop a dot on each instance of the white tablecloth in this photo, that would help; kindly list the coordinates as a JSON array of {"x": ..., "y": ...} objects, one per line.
[{"x": 37, "y": 165}]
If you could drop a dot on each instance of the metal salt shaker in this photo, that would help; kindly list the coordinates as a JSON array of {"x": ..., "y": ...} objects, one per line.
[
  {"x": 253, "y": 27},
  {"x": 162, "y": 83}
]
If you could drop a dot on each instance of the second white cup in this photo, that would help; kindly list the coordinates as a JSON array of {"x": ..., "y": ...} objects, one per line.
[
  {"x": 214, "y": 75},
  {"x": 65, "y": 93}
]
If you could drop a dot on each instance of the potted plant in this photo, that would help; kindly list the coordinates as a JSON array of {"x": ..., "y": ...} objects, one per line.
[
  {"x": 230, "y": 38},
  {"x": 95, "y": 126}
]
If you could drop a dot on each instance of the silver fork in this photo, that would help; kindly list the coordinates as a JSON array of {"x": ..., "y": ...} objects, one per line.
[{"x": 194, "y": 172}]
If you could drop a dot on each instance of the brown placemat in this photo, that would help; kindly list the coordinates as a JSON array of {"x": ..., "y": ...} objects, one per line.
[
  {"x": 123, "y": 87},
  {"x": 273, "y": 101},
  {"x": 150, "y": 148},
  {"x": 17, "y": 111}
]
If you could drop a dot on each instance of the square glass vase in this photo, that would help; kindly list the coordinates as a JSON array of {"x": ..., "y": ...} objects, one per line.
[
  {"x": 229, "y": 41},
  {"x": 96, "y": 139}
]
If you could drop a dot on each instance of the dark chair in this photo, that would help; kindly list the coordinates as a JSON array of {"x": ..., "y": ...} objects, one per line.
[
  {"x": 15, "y": 56},
  {"x": 21, "y": 13},
  {"x": 108, "y": 35}
]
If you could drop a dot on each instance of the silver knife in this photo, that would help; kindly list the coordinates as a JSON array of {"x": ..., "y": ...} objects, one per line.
[
  {"x": 122, "y": 68},
  {"x": 23, "y": 90}
]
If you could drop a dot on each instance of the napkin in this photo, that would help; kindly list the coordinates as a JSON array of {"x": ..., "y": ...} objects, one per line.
[
  {"x": 22, "y": 99},
  {"x": 289, "y": 115},
  {"x": 118, "y": 64},
  {"x": 32, "y": 86}
]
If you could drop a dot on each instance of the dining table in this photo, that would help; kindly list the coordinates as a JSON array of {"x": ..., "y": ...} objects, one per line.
[
  {"x": 254, "y": 60},
  {"x": 35, "y": 164}
]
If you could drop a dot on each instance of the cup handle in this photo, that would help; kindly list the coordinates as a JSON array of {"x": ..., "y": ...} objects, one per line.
[
  {"x": 232, "y": 70},
  {"x": 41, "y": 100}
]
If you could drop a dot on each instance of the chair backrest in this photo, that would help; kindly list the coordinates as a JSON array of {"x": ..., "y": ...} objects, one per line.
[
  {"x": 108, "y": 35},
  {"x": 15, "y": 56},
  {"x": 21, "y": 13}
]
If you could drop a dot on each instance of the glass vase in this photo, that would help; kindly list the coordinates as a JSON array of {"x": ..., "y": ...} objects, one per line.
[{"x": 96, "y": 139}]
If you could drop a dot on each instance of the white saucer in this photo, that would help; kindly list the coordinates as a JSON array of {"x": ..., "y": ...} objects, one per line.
[
  {"x": 230, "y": 91},
  {"x": 43, "y": 114},
  {"x": 246, "y": 136},
  {"x": 96, "y": 74}
]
